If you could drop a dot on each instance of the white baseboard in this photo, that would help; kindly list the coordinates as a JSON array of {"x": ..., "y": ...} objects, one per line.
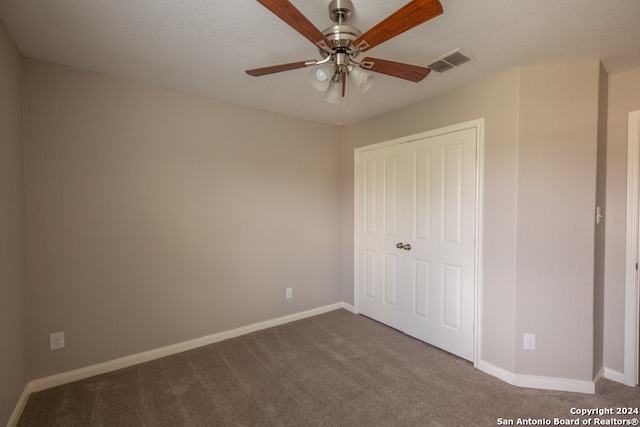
[
  {"x": 599, "y": 376},
  {"x": 614, "y": 375},
  {"x": 22, "y": 402},
  {"x": 494, "y": 371},
  {"x": 135, "y": 359},
  {"x": 550, "y": 383},
  {"x": 519, "y": 380},
  {"x": 532, "y": 381}
]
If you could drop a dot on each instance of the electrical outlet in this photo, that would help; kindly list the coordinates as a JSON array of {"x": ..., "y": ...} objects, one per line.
[
  {"x": 56, "y": 341},
  {"x": 289, "y": 293},
  {"x": 529, "y": 341}
]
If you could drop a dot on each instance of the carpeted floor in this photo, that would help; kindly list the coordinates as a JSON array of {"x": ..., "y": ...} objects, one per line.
[{"x": 336, "y": 369}]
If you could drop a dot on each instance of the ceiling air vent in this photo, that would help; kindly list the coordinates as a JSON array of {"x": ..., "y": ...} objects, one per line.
[{"x": 449, "y": 61}]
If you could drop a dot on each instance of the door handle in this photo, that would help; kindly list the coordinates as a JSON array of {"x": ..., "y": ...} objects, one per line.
[
  {"x": 400, "y": 245},
  {"x": 407, "y": 247}
]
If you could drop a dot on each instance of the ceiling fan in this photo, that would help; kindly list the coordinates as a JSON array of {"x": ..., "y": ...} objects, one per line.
[{"x": 341, "y": 44}]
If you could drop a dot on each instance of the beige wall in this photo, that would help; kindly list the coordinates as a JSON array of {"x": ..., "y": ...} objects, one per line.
[
  {"x": 13, "y": 370},
  {"x": 540, "y": 166},
  {"x": 495, "y": 99},
  {"x": 557, "y": 168},
  {"x": 624, "y": 97},
  {"x": 156, "y": 217}
]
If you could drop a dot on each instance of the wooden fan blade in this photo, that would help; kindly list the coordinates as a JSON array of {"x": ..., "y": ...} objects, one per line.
[
  {"x": 410, "y": 15},
  {"x": 413, "y": 73},
  {"x": 256, "y": 72},
  {"x": 286, "y": 11}
]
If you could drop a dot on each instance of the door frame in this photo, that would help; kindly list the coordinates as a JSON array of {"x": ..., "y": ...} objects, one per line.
[
  {"x": 478, "y": 125},
  {"x": 631, "y": 308}
]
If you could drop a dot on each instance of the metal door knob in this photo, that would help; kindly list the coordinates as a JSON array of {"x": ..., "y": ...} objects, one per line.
[
  {"x": 407, "y": 247},
  {"x": 400, "y": 245}
]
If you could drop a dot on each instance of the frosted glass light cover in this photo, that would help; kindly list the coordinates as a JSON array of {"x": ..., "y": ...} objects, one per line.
[
  {"x": 334, "y": 92},
  {"x": 320, "y": 77},
  {"x": 361, "y": 80}
]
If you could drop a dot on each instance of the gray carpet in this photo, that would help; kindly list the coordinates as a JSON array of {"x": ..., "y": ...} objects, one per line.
[{"x": 336, "y": 369}]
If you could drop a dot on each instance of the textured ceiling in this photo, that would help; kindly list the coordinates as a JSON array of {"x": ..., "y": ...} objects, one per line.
[{"x": 204, "y": 46}]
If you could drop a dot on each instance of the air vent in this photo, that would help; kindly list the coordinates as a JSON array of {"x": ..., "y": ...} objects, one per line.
[{"x": 449, "y": 61}]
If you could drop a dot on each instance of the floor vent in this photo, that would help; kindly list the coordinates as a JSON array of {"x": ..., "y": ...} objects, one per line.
[{"x": 449, "y": 61}]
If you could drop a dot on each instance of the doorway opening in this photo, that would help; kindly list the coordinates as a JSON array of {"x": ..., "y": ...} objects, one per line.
[{"x": 632, "y": 294}]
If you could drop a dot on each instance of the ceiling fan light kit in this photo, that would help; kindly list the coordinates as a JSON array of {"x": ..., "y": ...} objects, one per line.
[{"x": 340, "y": 45}]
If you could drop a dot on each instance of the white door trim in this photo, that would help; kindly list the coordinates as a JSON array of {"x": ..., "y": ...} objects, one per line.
[
  {"x": 478, "y": 125},
  {"x": 631, "y": 308}
]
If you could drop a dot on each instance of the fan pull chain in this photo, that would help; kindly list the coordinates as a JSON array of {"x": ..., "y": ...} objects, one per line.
[
  {"x": 340, "y": 122},
  {"x": 348, "y": 95}
]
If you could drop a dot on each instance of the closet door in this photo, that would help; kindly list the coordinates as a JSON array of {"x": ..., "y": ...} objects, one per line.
[
  {"x": 415, "y": 238},
  {"x": 441, "y": 215},
  {"x": 378, "y": 229}
]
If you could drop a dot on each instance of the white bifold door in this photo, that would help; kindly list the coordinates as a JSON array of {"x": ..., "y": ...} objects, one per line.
[{"x": 415, "y": 237}]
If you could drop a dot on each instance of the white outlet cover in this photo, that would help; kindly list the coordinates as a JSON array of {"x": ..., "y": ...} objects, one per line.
[
  {"x": 529, "y": 341},
  {"x": 56, "y": 341}
]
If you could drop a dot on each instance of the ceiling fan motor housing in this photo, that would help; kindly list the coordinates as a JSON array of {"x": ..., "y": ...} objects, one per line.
[
  {"x": 341, "y": 35},
  {"x": 340, "y": 10}
]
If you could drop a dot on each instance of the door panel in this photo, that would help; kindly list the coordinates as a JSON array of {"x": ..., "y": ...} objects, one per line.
[
  {"x": 452, "y": 193},
  {"x": 422, "y": 289},
  {"x": 390, "y": 279},
  {"x": 389, "y": 191},
  {"x": 369, "y": 192},
  {"x": 378, "y": 228},
  {"x": 369, "y": 274},
  {"x": 451, "y": 292},
  {"x": 422, "y": 195},
  {"x": 451, "y": 252}
]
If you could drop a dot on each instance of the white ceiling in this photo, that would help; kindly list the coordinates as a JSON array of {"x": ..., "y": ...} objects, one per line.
[{"x": 204, "y": 46}]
